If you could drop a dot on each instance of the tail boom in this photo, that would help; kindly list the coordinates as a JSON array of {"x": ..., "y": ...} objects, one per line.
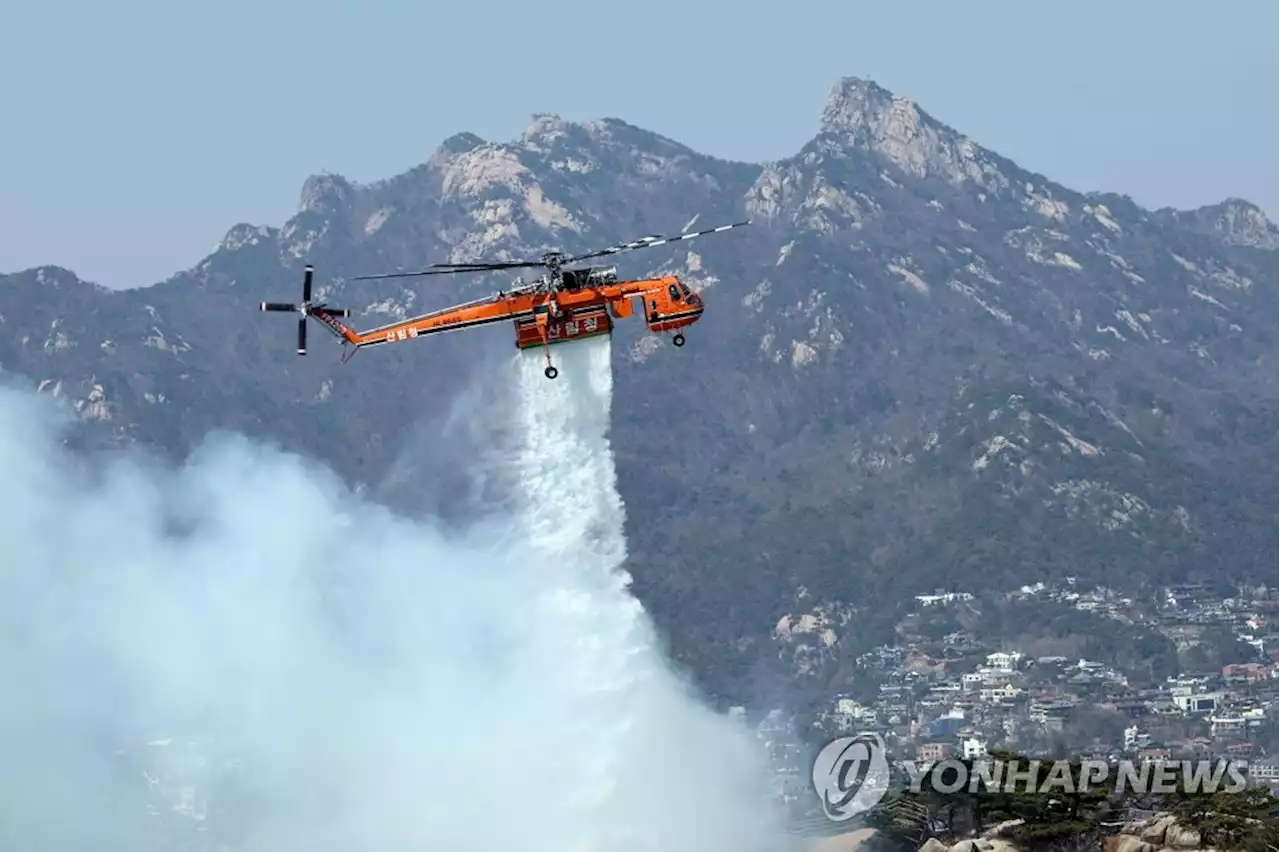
[{"x": 329, "y": 318}]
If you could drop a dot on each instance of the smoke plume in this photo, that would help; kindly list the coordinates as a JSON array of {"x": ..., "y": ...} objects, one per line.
[{"x": 241, "y": 654}]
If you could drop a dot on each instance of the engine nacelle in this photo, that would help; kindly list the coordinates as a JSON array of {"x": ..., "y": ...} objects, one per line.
[
  {"x": 576, "y": 279},
  {"x": 604, "y": 275}
]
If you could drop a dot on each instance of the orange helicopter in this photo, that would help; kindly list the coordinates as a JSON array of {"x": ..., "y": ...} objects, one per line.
[{"x": 559, "y": 306}]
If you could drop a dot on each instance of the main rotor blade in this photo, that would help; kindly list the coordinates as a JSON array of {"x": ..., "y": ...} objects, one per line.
[
  {"x": 449, "y": 269},
  {"x": 302, "y": 336},
  {"x": 306, "y": 283},
  {"x": 643, "y": 242},
  {"x": 278, "y": 306},
  {"x": 649, "y": 242},
  {"x": 497, "y": 264}
]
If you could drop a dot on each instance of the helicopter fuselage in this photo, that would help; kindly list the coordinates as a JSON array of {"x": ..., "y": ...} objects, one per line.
[
  {"x": 667, "y": 305},
  {"x": 562, "y": 304}
]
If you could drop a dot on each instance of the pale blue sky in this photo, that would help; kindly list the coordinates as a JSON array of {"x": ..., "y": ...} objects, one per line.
[{"x": 134, "y": 133}]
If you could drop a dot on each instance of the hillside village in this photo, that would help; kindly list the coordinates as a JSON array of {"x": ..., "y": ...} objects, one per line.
[{"x": 951, "y": 697}]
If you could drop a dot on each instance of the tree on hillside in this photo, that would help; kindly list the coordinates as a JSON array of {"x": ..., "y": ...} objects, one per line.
[{"x": 1244, "y": 821}]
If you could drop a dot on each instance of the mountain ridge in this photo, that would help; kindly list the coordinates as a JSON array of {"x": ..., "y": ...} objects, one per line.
[
  {"x": 846, "y": 90},
  {"x": 921, "y": 366}
]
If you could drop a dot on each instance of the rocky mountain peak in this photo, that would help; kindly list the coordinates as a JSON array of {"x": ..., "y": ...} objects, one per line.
[
  {"x": 325, "y": 193},
  {"x": 544, "y": 127},
  {"x": 1238, "y": 223},
  {"x": 872, "y": 116},
  {"x": 244, "y": 234},
  {"x": 457, "y": 147},
  {"x": 1233, "y": 222},
  {"x": 853, "y": 102},
  {"x": 861, "y": 116},
  {"x": 55, "y": 277},
  {"x": 458, "y": 143}
]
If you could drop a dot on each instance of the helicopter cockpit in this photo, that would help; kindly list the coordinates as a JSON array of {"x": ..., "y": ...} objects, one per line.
[{"x": 680, "y": 294}]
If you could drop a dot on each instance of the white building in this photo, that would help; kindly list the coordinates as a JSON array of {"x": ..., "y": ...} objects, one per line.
[
  {"x": 996, "y": 694},
  {"x": 945, "y": 598},
  {"x": 1203, "y": 702},
  {"x": 973, "y": 748},
  {"x": 1221, "y": 726},
  {"x": 1004, "y": 661},
  {"x": 1265, "y": 770},
  {"x": 1134, "y": 738},
  {"x": 849, "y": 714}
]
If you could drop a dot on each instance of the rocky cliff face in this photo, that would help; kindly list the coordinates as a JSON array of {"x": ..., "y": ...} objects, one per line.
[
  {"x": 923, "y": 366},
  {"x": 1235, "y": 222},
  {"x": 1161, "y": 833}
]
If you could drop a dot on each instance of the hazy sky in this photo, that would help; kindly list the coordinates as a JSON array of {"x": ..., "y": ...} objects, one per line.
[{"x": 136, "y": 132}]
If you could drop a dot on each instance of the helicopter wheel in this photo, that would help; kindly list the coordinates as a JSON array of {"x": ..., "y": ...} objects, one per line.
[
  {"x": 551, "y": 372},
  {"x": 678, "y": 340}
]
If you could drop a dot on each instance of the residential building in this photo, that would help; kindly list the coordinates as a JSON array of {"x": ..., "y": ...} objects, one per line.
[{"x": 933, "y": 752}]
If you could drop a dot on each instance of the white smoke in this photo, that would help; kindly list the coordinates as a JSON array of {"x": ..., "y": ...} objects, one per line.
[{"x": 241, "y": 652}]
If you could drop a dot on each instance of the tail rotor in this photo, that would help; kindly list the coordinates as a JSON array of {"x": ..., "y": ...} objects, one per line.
[{"x": 305, "y": 308}]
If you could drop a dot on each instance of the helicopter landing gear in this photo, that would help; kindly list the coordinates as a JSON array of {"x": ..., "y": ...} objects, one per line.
[
  {"x": 678, "y": 340},
  {"x": 551, "y": 372}
]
